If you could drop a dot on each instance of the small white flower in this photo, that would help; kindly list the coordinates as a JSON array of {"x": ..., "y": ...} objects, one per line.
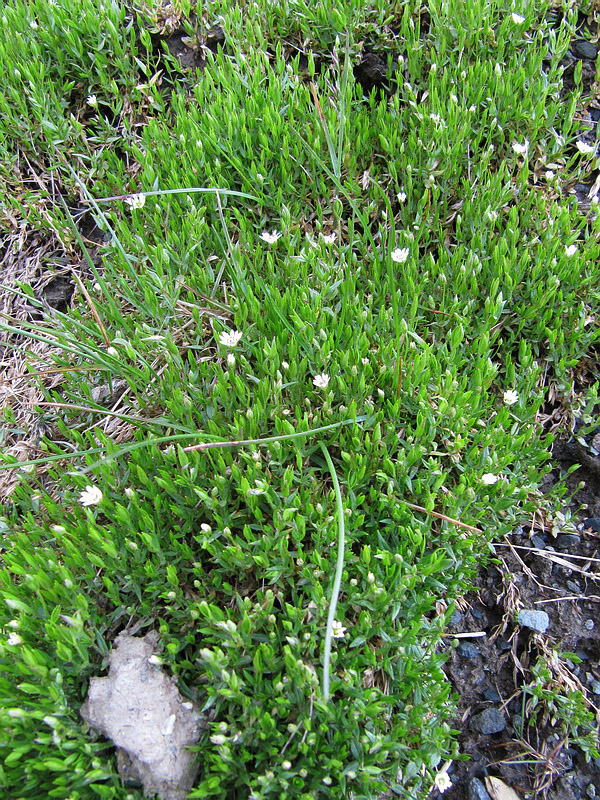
[
  {"x": 584, "y": 148},
  {"x": 230, "y": 360},
  {"x": 230, "y": 338},
  {"x": 521, "y": 149},
  {"x": 442, "y": 782},
  {"x": 338, "y": 630},
  {"x": 401, "y": 197},
  {"x": 489, "y": 479},
  {"x": 510, "y": 397},
  {"x": 29, "y": 469},
  {"x": 205, "y": 528},
  {"x": 321, "y": 381},
  {"x": 400, "y": 254},
  {"x": 571, "y": 250},
  {"x": 14, "y": 639},
  {"x": 517, "y": 18},
  {"x": 285, "y": 365},
  {"x": 112, "y": 351},
  {"x": 129, "y": 492},
  {"x": 549, "y": 175},
  {"x": 135, "y": 200},
  {"x": 454, "y": 98},
  {"x": 329, "y": 238},
  {"x": 270, "y": 238},
  {"x": 287, "y": 765},
  {"x": 498, "y": 69},
  {"x": 92, "y": 101},
  {"x": 218, "y": 738},
  {"x": 156, "y": 661},
  {"x": 91, "y": 496}
]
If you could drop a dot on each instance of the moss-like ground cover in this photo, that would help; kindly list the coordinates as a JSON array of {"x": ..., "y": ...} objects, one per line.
[{"x": 385, "y": 286}]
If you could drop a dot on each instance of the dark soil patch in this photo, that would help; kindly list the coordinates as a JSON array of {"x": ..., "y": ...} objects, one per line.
[{"x": 540, "y": 567}]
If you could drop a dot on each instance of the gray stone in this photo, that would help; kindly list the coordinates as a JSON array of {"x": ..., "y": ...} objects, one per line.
[
  {"x": 467, "y": 650},
  {"x": 491, "y": 695},
  {"x": 583, "y": 49},
  {"x": 140, "y": 709},
  {"x": 535, "y": 620},
  {"x": 488, "y": 721},
  {"x": 596, "y": 687},
  {"x": 567, "y": 541},
  {"x": 591, "y": 790},
  {"x": 593, "y": 523},
  {"x": 538, "y": 541},
  {"x": 589, "y": 624},
  {"x": 574, "y": 586},
  {"x": 477, "y": 790}
]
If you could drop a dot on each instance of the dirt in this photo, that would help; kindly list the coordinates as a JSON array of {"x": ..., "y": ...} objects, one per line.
[{"x": 544, "y": 565}]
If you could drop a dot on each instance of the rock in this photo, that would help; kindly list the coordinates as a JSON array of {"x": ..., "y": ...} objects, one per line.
[
  {"x": 477, "y": 790},
  {"x": 456, "y": 619},
  {"x": 467, "y": 650},
  {"x": 574, "y": 587},
  {"x": 589, "y": 624},
  {"x": 584, "y": 50},
  {"x": 567, "y": 541},
  {"x": 591, "y": 790},
  {"x": 491, "y": 695},
  {"x": 140, "y": 709},
  {"x": 488, "y": 721},
  {"x": 596, "y": 687},
  {"x": 592, "y": 523},
  {"x": 537, "y": 621},
  {"x": 538, "y": 541}
]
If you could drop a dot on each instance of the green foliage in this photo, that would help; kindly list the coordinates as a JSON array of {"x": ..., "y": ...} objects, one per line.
[{"x": 417, "y": 274}]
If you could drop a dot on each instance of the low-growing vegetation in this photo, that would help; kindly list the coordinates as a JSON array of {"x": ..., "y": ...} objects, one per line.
[{"x": 301, "y": 315}]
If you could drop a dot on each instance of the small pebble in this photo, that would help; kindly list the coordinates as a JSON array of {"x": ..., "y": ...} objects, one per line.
[
  {"x": 589, "y": 624},
  {"x": 456, "y": 618},
  {"x": 591, "y": 790},
  {"x": 593, "y": 523},
  {"x": 567, "y": 541},
  {"x": 477, "y": 790},
  {"x": 535, "y": 620},
  {"x": 538, "y": 541},
  {"x": 596, "y": 687},
  {"x": 488, "y": 721},
  {"x": 574, "y": 586},
  {"x": 583, "y": 49},
  {"x": 467, "y": 650},
  {"x": 491, "y": 695}
]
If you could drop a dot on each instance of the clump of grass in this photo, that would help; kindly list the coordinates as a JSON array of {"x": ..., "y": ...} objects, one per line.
[{"x": 379, "y": 277}]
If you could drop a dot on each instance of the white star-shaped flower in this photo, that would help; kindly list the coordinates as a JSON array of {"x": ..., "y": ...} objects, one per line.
[
  {"x": 400, "y": 254},
  {"x": 442, "y": 782},
  {"x": 338, "y": 630},
  {"x": 571, "y": 250},
  {"x": 489, "y": 479},
  {"x": 91, "y": 496},
  {"x": 321, "y": 381},
  {"x": 521, "y": 149},
  {"x": 510, "y": 397},
  {"x": 270, "y": 238},
  {"x": 136, "y": 200},
  {"x": 585, "y": 148},
  {"x": 230, "y": 338},
  {"x": 92, "y": 100}
]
